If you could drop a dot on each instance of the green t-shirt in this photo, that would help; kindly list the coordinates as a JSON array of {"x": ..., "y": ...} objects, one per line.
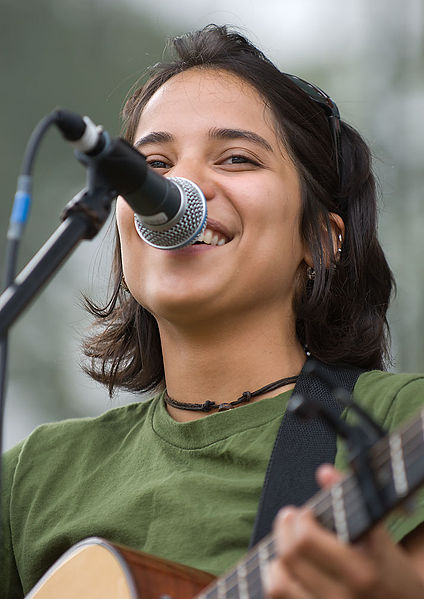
[{"x": 184, "y": 491}]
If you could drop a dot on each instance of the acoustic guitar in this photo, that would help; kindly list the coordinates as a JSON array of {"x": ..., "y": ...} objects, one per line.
[{"x": 95, "y": 568}]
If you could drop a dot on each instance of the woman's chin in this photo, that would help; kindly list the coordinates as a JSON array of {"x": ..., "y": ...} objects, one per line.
[{"x": 182, "y": 305}]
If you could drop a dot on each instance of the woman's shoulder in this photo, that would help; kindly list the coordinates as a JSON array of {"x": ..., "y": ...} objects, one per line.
[
  {"x": 91, "y": 433},
  {"x": 391, "y": 398}
]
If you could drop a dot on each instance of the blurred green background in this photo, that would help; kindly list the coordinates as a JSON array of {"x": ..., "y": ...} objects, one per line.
[{"x": 85, "y": 55}]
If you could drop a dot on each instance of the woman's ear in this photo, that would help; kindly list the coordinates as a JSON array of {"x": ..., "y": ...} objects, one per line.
[{"x": 337, "y": 231}]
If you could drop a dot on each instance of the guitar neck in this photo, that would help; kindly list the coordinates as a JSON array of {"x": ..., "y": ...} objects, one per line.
[{"x": 398, "y": 471}]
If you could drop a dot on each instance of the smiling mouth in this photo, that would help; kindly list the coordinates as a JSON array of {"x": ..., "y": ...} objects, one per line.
[
  {"x": 214, "y": 234},
  {"x": 210, "y": 237}
]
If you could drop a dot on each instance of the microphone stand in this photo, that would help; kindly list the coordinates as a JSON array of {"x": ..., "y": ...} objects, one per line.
[{"x": 83, "y": 218}]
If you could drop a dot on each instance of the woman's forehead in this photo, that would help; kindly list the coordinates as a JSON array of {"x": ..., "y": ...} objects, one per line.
[{"x": 215, "y": 96}]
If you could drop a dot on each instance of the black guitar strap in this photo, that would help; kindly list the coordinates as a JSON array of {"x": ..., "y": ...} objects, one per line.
[{"x": 300, "y": 447}]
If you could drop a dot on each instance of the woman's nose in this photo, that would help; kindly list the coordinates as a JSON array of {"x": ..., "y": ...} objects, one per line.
[{"x": 200, "y": 176}]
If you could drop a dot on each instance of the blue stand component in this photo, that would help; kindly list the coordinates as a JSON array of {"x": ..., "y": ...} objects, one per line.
[{"x": 21, "y": 207}]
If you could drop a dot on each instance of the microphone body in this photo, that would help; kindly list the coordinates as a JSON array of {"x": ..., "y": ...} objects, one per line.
[{"x": 169, "y": 213}]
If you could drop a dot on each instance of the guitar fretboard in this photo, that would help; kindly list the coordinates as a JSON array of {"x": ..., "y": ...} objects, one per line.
[{"x": 398, "y": 467}]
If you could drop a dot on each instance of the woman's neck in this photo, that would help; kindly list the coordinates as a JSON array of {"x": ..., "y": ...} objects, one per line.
[{"x": 219, "y": 363}]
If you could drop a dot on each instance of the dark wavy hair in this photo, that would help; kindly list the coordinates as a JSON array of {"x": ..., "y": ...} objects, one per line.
[{"x": 341, "y": 312}]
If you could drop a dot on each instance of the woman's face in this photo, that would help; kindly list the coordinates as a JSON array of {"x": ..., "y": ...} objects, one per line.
[{"x": 213, "y": 128}]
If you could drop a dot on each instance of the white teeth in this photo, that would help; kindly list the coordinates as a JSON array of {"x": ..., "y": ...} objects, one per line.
[
  {"x": 207, "y": 236},
  {"x": 212, "y": 237}
]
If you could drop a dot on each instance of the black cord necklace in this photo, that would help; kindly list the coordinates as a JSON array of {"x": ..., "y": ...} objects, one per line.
[{"x": 208, "y": 405}]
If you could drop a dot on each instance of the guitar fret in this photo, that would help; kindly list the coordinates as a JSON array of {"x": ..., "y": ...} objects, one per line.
[
  {"x": 415, "y": 467},
  {"x": 380, "y": 453},
  {"x": 221, "y": 588},
  {"x": 242, "y": 581},
  {"x": 398, "y": 465},
  {"x": 351, "y": 517},
  {"x": 337, "y": 497},
  {"x": 263, "y": 555},
  {"x": 358, "y": 516}
]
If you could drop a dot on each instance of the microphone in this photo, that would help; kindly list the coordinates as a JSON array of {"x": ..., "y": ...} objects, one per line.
[{"x": 169, "y": 213}]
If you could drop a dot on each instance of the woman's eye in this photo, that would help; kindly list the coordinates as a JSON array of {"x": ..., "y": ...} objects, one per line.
[
  {"x": 240, "y": 159},
  {"x": 158, "y": 164}
]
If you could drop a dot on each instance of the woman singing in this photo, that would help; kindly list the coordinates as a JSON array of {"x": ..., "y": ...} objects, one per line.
[{"x": 289, "y": 265}]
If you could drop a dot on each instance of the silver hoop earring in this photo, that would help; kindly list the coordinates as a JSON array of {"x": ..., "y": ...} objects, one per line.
[
  {"x": 339, "y": 248},
  {"x": 310, "y": 273}
]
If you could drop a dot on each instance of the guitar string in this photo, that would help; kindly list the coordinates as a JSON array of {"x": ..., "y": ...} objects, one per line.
[
  {"x": 407, "y": 455},
  {"x": 251, "y": 556},
  {"x": 352, "y": 497},
  {"x": 411, "y": 458},
  {"x": 358, "y": 520},
  {"x": 253, "y": 586},
  {"x": 383, "y": 463},
  {"x": 325, "y": 504},
  {"x": 384, "y": 470},
  {"x": 381, "y": 459},
  {"x": 414, "y": 429},
  {"x": 382, "y": 456},
  {"x": 234, "y": 588},
  {"x": 254, "y": 568}
]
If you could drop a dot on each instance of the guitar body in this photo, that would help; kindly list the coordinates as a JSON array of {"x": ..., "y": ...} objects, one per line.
[{"x": 96, "y": 569}]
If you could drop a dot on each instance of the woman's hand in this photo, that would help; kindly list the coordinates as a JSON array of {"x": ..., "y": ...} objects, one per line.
[{"x": 312, "y": 563}]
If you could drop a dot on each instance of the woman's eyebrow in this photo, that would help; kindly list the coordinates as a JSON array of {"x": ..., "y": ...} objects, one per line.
[
  {"x": 240, "y": 134},
  {"x": 215, "y": 133},
  {"x": 154, "y": 137}
]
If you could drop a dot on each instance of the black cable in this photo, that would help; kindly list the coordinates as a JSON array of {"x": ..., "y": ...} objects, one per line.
[{"x": 34, "y": 141}]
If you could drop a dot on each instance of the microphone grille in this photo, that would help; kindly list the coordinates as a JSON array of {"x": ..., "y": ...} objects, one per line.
[{"x": 185, "y": 227}]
